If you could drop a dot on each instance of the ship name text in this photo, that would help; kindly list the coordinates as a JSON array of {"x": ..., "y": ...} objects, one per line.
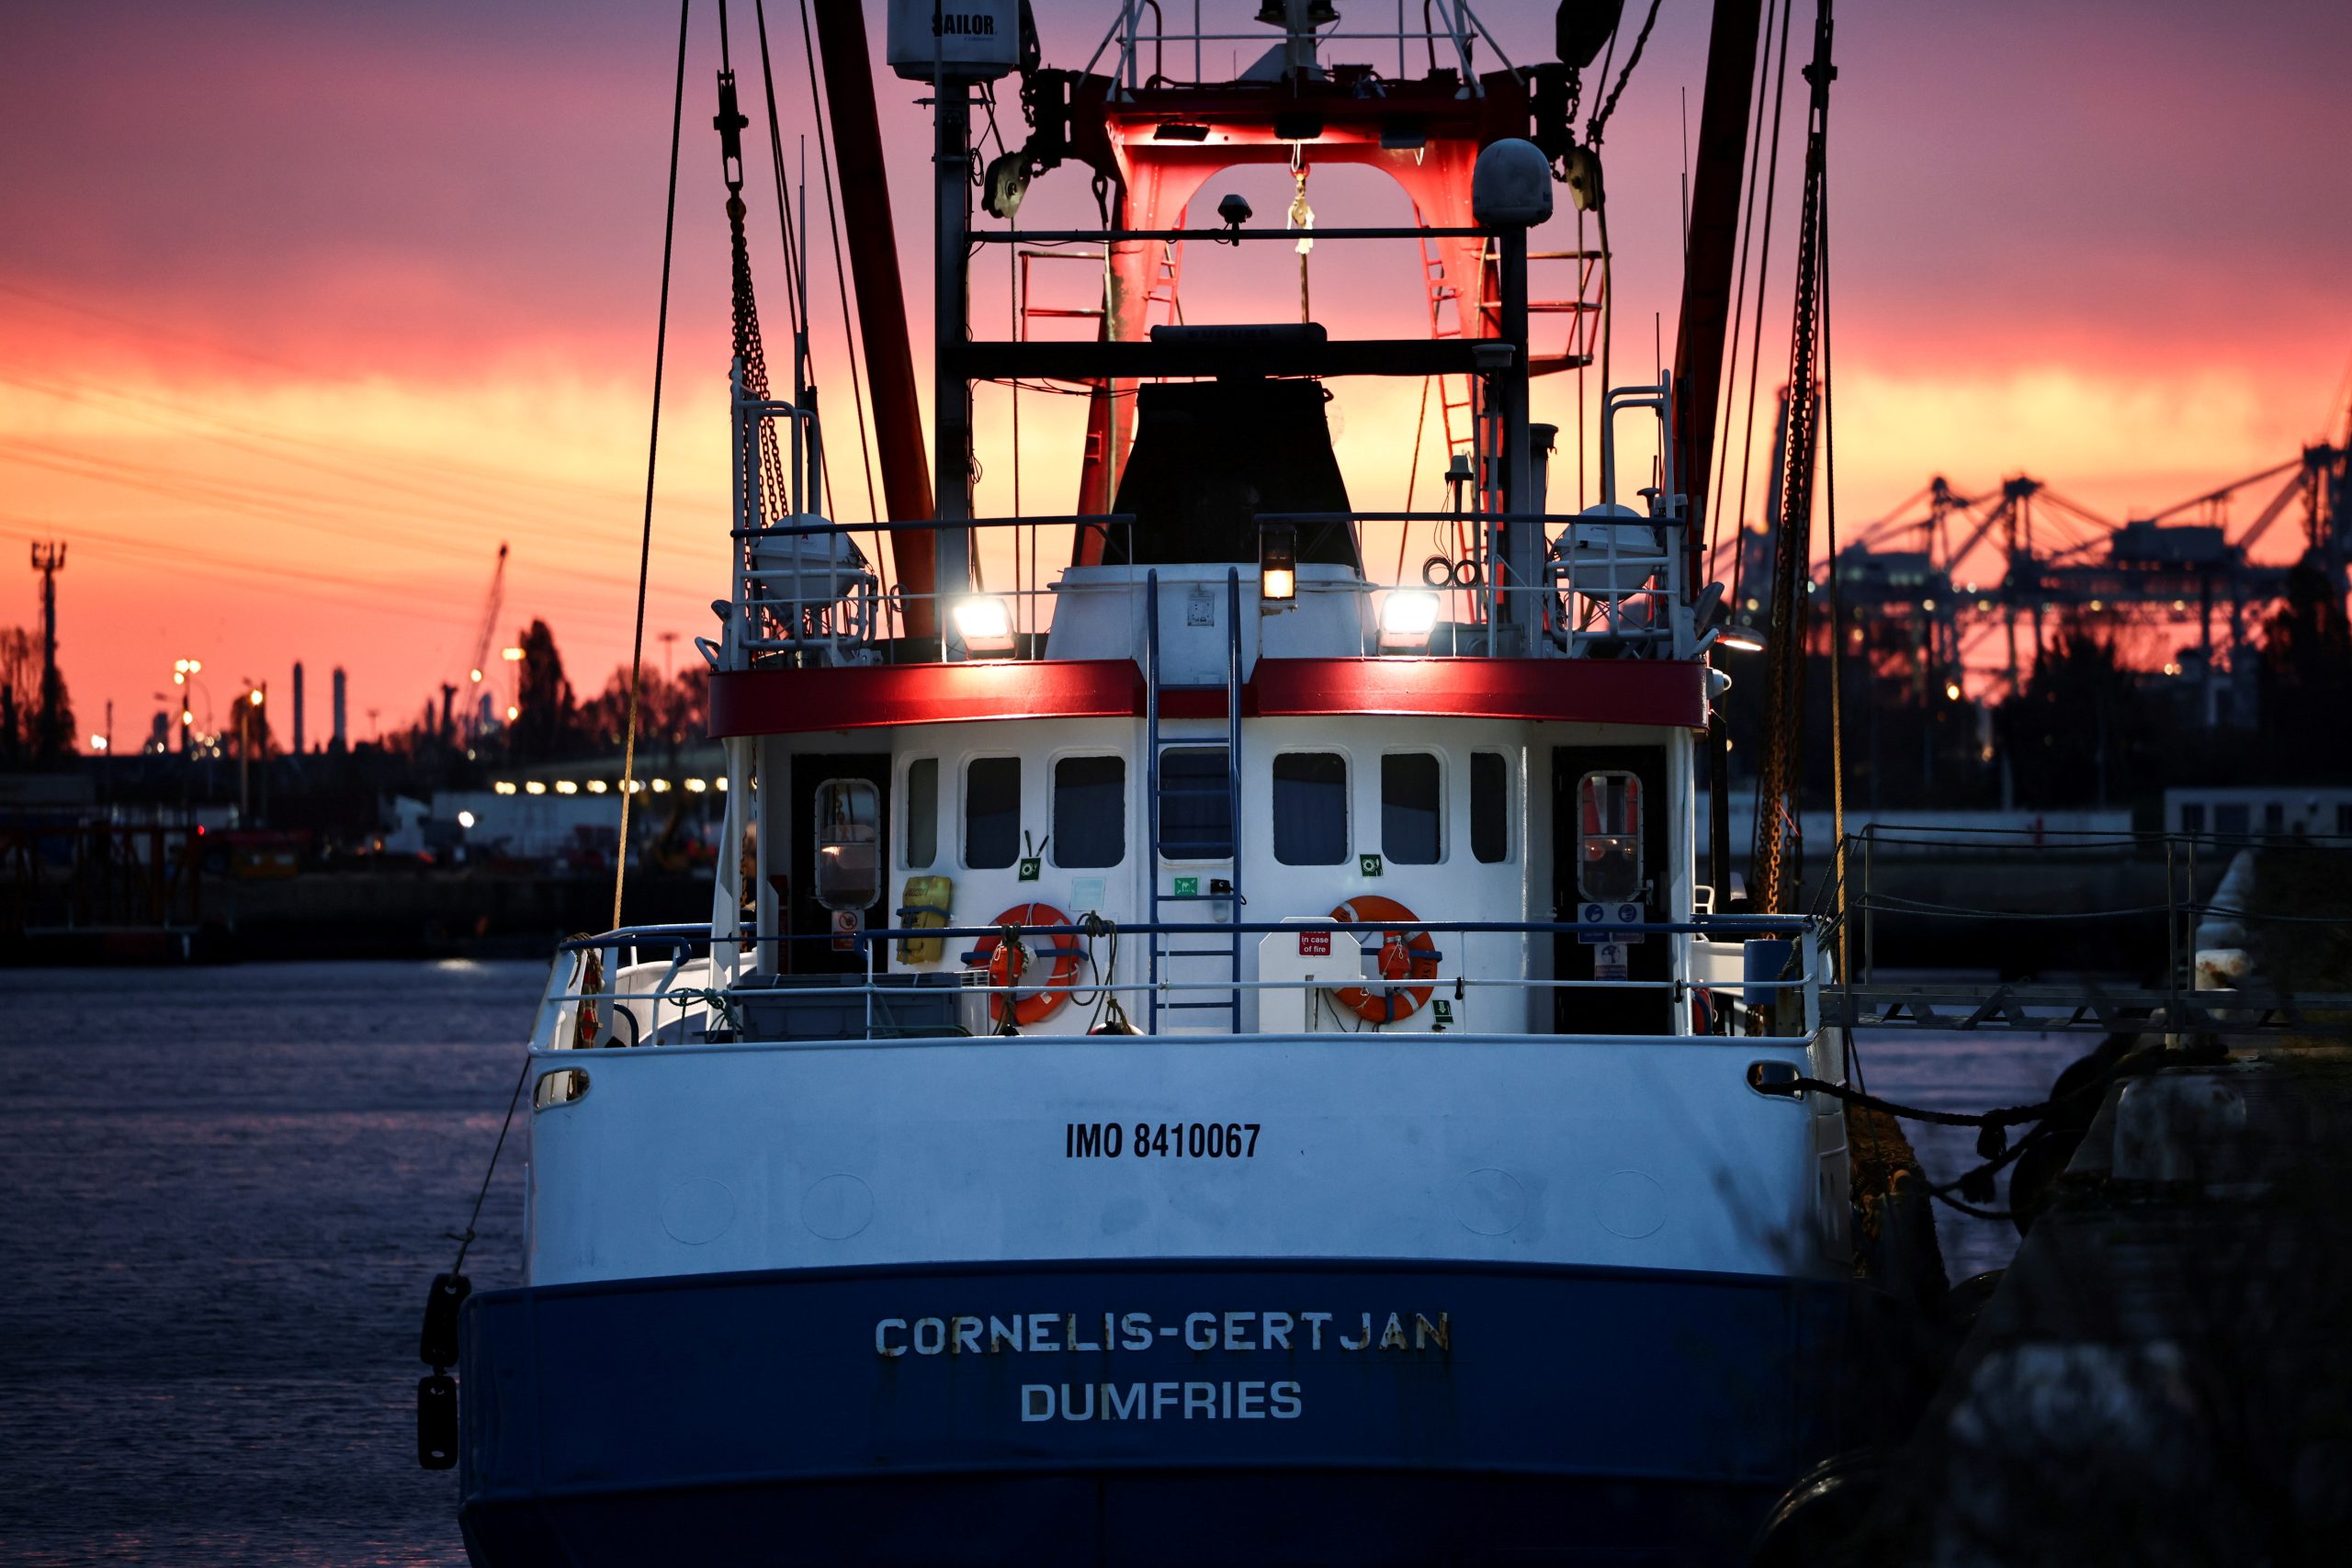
[{"x": 1047, "y": 1332}]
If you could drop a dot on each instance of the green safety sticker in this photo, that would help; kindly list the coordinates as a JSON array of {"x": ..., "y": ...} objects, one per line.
[
  {"x": 1031, "y": 867},
  {"x": 1188, "y": 887},
  {"x": 1369, "y": 864},
  {"x": 1444, "y": 1011}
]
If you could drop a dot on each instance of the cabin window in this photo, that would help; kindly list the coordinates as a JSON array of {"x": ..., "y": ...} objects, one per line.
[
  {"x": 2192, "y": 817},
  {"x": 1195, "y": 803},
  {"x": 2229, "y": 820},
  {"x": 1090, "y": 811},
  {"x": 1609, "y": 826},
  {"x": 2274, "y": 816},
  {"x": 1310, "y": 808},
  {"x": 1490, "y": 807},
  {"x": 919, "y": 830},
  {"x": 1412, "y": 806},
  {"x": 991, "y": 812},
  {"x": 2343, "y": 818},
  {"x": 848, "y": 843}
]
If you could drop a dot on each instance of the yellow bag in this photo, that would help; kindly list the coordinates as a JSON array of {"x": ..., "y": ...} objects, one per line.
[{"x": 926, "y": 904}]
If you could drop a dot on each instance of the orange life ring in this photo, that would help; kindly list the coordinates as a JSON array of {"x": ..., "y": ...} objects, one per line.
[
  {"x": 1405, "y": 954},
  {"x": 1008, "y": 962}
]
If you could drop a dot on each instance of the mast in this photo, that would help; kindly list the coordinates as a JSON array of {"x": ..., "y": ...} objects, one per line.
[
  {"x": 1724, "y": 114},
  {"x": 881, "y": 298}
]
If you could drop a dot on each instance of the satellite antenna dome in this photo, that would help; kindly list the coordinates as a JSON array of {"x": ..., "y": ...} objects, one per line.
[{"x": 1511, "y": 187}]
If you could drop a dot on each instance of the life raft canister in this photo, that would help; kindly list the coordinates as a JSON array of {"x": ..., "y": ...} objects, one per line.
[
  {"x": 1405, "y": 954},
  {"x": 1008, "y": 962}
]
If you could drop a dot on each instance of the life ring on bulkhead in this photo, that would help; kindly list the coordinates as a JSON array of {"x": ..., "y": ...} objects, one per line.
[
  {"x": 1405, "y": 954},
  {"x": 1008, "y": 962}
]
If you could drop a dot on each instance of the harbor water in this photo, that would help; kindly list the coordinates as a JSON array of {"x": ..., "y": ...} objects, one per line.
[{"x": 226, "y": 1190}]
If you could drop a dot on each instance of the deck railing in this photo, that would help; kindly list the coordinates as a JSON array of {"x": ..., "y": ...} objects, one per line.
[
  {"x": 613, "y": 989},
  {"x": 809, "y": 594}
]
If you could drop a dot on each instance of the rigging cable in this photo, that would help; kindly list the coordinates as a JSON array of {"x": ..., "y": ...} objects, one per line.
[
  {"x": 1829, "y": 518},
  {"x": 652, "y": 456},
  {"x": 1763, "y": 279},
  {"x": 1779, "y": 775},
  {"x": 794, "y": 262},
  {"x": 1593, "y": 130},
  {"x": 840, "y": 273},
  {"x": 1739, "y": 294}
]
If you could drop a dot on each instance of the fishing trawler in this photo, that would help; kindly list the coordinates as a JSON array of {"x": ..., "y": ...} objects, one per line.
[{"x": 1223, "y": 1053}]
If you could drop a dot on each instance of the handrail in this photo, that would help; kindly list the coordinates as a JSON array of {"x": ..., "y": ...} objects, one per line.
[
  {"x": 1216, "y": 236},
  {"x": 1708, "y": 925}
]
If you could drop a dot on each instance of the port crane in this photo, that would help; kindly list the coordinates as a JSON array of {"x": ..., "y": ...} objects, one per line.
[
  {"x": 1947, "y": 573},
  {"x": 477, "y": 718}
]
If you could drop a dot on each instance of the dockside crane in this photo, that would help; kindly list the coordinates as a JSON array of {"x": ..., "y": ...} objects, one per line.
[
  {"x": 478, "y": 666},
  {"x": 2185, "y": 560}
]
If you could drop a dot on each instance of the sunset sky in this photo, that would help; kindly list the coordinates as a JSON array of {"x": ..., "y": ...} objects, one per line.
[{"x": 305, "y": 308}]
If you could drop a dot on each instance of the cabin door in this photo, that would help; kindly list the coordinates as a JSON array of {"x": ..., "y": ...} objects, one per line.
[
  {"x": 838, "y": 847},
  {"x": 1194, "y": 862},
  {"x": 1608, "y": 838}
]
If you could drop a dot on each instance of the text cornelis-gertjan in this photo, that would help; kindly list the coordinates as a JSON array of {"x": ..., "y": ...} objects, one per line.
[{"x": 1114, "y": 1333}]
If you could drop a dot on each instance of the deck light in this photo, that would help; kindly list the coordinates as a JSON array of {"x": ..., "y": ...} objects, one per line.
[
  {"x": 512, "y": 655},
  {"x": 532, "y": 786},
  {"x": 476, "y": 677},
  {"x": 598, "y": 787},
  {"x": 465, "y": 819},
  {"x": 695, "y": 786},
  {"x": 255, "y": 696},
  {"x": 1951, "y": 691},
  {"x": 566, "y": 787},
  {"x": 1743, "y": 639},
  {"x": 984, "y": 623},
  {"x": 1406, "y": 618},
  {"x": 1278, "y": 563},
  {"x": 512, "y": 713},
  {"x": 660, "y": 786}
]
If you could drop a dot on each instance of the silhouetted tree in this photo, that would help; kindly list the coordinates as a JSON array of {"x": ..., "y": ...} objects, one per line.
[
  {"x": 20, "y": 690},
  {"x": 2080, "y": 733},
  {"x": 546, "y": 724},
  {"x": 2306, "y": 678},
  {"x": 671, "y": 714}
]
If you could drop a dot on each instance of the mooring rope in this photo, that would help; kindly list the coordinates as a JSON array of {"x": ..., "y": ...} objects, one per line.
[
  {"x": 1993, "y": 1149},
  {"x": 466, "y": 1240}
]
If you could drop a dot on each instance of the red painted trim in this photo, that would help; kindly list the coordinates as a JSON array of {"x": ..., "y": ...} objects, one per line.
[
  {"x": 787, "y": 702},
  {"x": 1580, "y": 691}
]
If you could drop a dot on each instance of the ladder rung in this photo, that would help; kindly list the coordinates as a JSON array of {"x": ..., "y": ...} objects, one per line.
[
  {"x": 1197, "y": 952},
  {"x": 1196, "y": 1006}
]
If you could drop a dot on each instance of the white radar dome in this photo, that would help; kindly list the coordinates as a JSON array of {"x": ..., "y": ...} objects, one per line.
[{"x": 1511, "y": 187}]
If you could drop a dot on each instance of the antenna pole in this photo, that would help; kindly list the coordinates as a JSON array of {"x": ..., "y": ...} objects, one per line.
[{"x": 951, "y": 396}]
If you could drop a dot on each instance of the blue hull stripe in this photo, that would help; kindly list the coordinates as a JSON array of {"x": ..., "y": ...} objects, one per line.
[{"x": 1289, "y": 1411}]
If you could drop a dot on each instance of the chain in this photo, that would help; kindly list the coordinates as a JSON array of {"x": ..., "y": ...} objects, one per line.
[
  {"x": 1594, "y": 126},
  {"x": 755, "y": 363},
  {"x": 1779, "y": 777}
]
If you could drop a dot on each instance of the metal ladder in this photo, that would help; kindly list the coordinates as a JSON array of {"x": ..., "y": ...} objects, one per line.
[{"x": 1232, "y": 899}]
